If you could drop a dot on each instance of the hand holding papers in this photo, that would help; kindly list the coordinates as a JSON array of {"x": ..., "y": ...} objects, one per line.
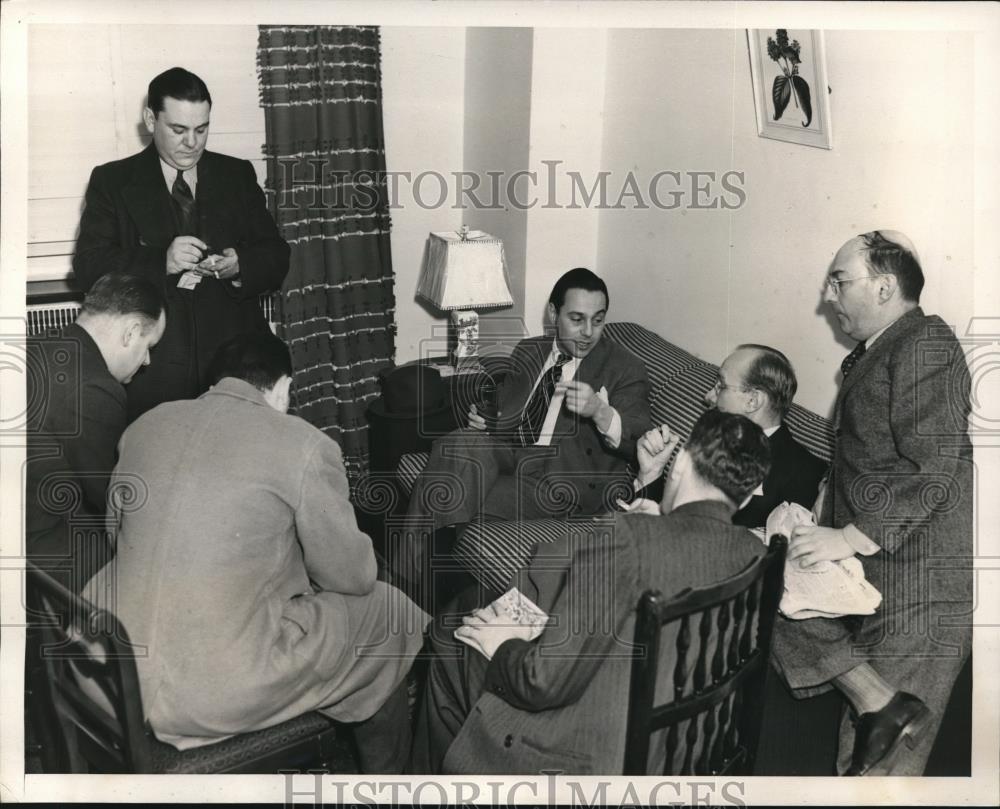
[
  {"x": 825, "y": 589},
  {"x": 512, "y": 615}
]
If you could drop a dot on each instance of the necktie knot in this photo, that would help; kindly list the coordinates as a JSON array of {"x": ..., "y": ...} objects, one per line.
[
  {"x": 852, "y": 359},
  {"x": 533, "y": 415}
]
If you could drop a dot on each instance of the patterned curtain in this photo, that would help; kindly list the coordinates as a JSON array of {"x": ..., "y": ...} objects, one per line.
[{"x": 322, "y": 99}]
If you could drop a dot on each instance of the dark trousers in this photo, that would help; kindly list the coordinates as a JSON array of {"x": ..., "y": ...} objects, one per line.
[
  {"x": 454, "y": 682},
  {"x": 384, "y": 739}
]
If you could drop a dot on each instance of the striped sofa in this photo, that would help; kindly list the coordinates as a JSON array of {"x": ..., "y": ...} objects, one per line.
[{"x": 493, "y": 552}]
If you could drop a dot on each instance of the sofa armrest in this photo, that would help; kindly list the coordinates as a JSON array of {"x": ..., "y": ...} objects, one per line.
[{"x": 409, "y": 469}]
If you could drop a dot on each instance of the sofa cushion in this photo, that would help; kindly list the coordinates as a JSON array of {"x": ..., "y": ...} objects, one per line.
[{"x": 662, "y": 359}]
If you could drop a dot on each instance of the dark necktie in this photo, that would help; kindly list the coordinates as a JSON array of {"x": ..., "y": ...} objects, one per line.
[
  {"x": 535, "y": 411},
  {"x": 852, "y": 359},
  {"x": 184, "y": 200}
]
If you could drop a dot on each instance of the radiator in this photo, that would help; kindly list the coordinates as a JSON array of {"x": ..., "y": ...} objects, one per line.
[{"x": 45, "y": 318}]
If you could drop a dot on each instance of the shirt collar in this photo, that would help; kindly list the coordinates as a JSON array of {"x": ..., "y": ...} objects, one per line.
[
  {"x": 871, "y": 340},
  {"x": 556, "y": 351},
  {"x": 170, "y": 174}
]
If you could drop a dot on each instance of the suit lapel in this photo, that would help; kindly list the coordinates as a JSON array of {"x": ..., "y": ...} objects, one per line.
[
  {"x": 211, "y": 196},
  {"x": 148, "y": 201},
  {"x": 869, "y": 359},
  {"x": 536, "y": 350},
  {"x": 778, "y": 443}
]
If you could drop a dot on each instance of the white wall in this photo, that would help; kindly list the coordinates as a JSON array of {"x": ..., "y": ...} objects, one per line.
[
  {"x": 567, "y": 120},
  {"x": 86, "y": 90},
  {"x": 498, "y": 92},
  {"x": 423, "y": 75},
  {"x": 710, "y": 279}
]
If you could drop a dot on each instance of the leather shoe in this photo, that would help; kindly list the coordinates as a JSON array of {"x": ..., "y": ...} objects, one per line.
[{"x": 878, "y": 735}]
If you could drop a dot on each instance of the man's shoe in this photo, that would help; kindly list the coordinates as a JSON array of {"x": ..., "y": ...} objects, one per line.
[{"x": 878, "y": 735}]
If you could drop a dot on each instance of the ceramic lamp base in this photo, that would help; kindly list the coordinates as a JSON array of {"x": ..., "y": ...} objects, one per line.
[{"x": 465, "y": 357}]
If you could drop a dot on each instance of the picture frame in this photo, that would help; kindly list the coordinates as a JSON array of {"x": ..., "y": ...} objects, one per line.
[{"x": 790, "y": 90}]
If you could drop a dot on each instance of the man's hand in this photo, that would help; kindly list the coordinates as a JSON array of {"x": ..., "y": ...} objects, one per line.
[
  {"x": 488, "y": 629},
  {"x": 653, "y": 451},
  {"x": 222, "y": 267},
  {"x": 476, "y": 422},
  {"x": 641, "y": 505},
  {"x": 811, "y": 544},
  {"x": 184, "y": 254},
  {"x": 584, "y": 401}
]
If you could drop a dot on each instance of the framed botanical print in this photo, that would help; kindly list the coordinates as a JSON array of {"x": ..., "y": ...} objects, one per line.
[{"x": 790, "y": 91}]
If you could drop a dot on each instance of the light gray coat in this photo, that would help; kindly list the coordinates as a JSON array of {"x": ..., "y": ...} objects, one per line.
[{"x": 241, "y": 570}]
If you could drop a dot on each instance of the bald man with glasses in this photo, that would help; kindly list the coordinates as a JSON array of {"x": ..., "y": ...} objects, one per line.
[
  {"x": 900, "y": 498},
  {"x": 758, "y": 382}
]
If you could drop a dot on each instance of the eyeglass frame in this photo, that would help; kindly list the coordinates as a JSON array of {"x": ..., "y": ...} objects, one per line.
[
  {"x": 720, "y": 385},
  {"x": 833, "y": 284}
]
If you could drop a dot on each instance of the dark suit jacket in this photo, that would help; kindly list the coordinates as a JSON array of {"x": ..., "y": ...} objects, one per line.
[
  {"x": 902, "y": 468},
  {"x": 128, "y": 224},
  {"x": 794, "y": 477},
  {"x": 559, "y": 702},
  {"x": 76, "y": 416},
  {"x": 578, "y": 450}
]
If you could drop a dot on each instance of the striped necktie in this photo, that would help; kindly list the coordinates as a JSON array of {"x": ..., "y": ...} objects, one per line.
[
  {"x": 184, "y": 201},
  {"x": 852, "y": 359},
  {"x": 533, "y": 416}
]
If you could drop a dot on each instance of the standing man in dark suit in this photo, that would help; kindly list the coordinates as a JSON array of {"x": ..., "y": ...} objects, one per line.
[
  {"x": 573, "y": 404},
  {"x": 77, "y": 415},
  {"x": 758, "y": 382},
  {"x": 559, "y": 702},
  {"x": 899, "y": 496},
  {"x": 193, "y": 222}
]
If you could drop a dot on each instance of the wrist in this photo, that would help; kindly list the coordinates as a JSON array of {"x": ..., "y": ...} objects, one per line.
[{"x": 602, "y": 416}]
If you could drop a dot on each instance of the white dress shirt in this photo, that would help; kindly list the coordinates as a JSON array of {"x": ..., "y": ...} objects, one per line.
[
  {"x": 612, "y": 436},
  {"x": 190, "y": 177}
]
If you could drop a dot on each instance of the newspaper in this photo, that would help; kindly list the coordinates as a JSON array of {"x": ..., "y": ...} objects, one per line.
[{"x": 826, "y": 589}]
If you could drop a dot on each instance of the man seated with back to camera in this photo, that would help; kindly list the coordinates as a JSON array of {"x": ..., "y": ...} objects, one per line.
[
  {"x": 571, "y": 410},
  {"x": 559, "y": 702},
  {"x": 244, "y": 574}
]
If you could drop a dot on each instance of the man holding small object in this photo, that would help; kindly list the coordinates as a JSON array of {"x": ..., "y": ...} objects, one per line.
[
  {"x": 758, "y": 382},
  {"x": 570, "y": 412},
  {"x": 192, "y": 221}
]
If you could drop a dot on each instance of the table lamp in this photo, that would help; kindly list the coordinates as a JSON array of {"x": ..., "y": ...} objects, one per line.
[{"x": 465, "y": 272}]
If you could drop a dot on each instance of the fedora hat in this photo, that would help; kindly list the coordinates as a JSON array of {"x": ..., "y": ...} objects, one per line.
[{"x": 412, "y": 391}]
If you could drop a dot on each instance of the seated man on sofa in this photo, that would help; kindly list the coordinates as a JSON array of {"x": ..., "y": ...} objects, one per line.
[
  {"x": 516, "y": 705},
  {"x": 758, "y": 382},
  {"x": 574, "y": 405},
  {"x": 241, "y": 570}
]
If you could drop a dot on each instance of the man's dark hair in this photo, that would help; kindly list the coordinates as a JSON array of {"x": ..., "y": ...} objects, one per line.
[
  {"x": 730, "y": 452},
  {"x": 578, "y": 278},
  {"x": 259, "y": 358},
  {"x": 119, "y": 293},
  {"x": 771, "y": 372},
  {"x": 886, "y": 257},
  {"x": 176, "y": 83}
]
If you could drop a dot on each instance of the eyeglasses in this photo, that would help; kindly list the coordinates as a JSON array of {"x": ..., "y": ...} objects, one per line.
[
  {"x": 833, "y": 284},
  {"x": 720, "y": 385}
]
